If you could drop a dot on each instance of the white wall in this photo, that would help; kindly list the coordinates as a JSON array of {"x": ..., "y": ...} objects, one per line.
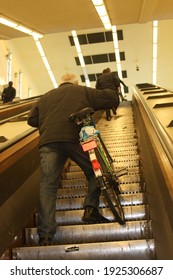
[
  {"x": 3, "y": 64},
  {"x": 137, "y": 45},
  {"x": 165, "y": 54}
]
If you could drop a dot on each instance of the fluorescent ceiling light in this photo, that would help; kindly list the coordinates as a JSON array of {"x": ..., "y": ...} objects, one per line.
[
  {"x": 154, "y": 64},
  {"x": 76, "y": 41},
  {"x": 155, "y": 35},
  {"x": 80, "y": 55},
  {"x": 107, "y": 26},
  {"x": 117, "y": 54},
  {"x": 88, "y": 82},
  {"x": 82, "y": 63},
  {"x": 115, "y": 37},
  {"x": 74, "y": 34},
  {"x": 154, "y": 50},
  {"x": 36, "y": 35},
  {"x": 97, "y": 2},
  {"x": 19, "y": 27},
  {"x": 102, "y": 12},
  {"x": 24, "y": 29},
  {"x": 46, "y": 63},
  {"x": 8, "y": 22},
  {"x": 155, "y": 23},
  {"x": 155, "y": 39},
  {"x": 40, "y": 49},
  {"x": 105, "y": 19},
  {"x": 53, "y": 79}
]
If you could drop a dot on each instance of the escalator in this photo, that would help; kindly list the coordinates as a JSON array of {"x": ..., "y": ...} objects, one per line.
[{"x": 76, "y": 240}]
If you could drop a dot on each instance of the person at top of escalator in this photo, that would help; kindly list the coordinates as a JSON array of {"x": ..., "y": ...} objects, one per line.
[
  {"x": 59, "y": 140},
  {"x": 9, "y": 93},
  {"x": 110, "y": 80}
]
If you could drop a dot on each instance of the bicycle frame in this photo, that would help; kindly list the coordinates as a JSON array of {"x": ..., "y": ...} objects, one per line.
[{"x": 101, "y": 161}]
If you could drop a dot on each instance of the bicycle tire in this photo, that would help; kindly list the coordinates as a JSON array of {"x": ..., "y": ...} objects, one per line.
[{"x": 113, "y": 201}]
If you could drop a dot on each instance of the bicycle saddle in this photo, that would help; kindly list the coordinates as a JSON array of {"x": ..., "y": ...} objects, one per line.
[{"x": 80, "y": 115}]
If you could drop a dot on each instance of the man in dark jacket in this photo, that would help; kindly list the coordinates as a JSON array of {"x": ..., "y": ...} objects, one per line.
[
  {"x": 110, "y": 80},
  {"x": 9, "y": 93},
  {"x": 59, "y": 140}
]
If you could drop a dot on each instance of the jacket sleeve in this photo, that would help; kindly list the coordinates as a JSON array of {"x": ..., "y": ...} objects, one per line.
[
  {"x": 102, "y": 99},
  {"x": 33, "y": 117}
]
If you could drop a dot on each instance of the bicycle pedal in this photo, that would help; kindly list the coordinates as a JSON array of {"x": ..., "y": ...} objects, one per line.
[{"x": 121, "y": 172}]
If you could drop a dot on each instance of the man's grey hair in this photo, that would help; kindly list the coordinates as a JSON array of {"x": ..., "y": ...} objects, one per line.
[{"x": 69, "y": 78}]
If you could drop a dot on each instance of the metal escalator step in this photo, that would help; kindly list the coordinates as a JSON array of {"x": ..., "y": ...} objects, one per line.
[
  {"x": 126, "y": 158},
  {"x": 113, "y": 148},
  {"x": 82, "y": 191},
  {"x": 77, "y": 203},
  {"x": 89, "y": 233},
  {"x": 73, "y": 183},
  {"x": 74, "y": 217},
  {"x": 120, "y": 250},
  {"x": 123, "y": 153},
  {"x": 125, "y": 142},
  {"x": 80, "y": 175},
  {"x": 82, "y": 182},
  {"x": 75, "y": 168},
  {"x": 74, "y": 175}
]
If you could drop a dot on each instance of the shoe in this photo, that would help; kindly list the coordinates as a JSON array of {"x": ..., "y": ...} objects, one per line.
[
  {"x": 109, "y": 119},
  {"x": 92, "y": 215},
  {"x": 114, "y": 111},
  {"x": 45, "y": 241}
]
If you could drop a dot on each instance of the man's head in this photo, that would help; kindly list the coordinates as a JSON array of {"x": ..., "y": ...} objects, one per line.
[
  {"x": 107, "y": 71},
  {"x": 69, "y": 78},
  {"x": 10, "y": 83}
]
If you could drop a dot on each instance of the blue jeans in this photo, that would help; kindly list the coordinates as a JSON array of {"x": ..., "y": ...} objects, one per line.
[{"x": 52, "y": 158}]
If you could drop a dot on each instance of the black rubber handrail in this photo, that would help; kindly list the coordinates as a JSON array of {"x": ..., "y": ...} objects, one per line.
[{"x": 4, "y": 146}]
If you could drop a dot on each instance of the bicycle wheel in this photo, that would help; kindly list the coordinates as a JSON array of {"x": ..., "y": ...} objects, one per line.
[{"x": 113, "y": 201}]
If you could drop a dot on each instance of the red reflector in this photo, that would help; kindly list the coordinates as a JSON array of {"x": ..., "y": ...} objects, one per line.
[
  {"x": 89, "y": 145},
  {"x": 95, "y": 164}
]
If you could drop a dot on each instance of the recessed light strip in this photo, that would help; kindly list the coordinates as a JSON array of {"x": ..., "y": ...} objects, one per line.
[
  {"x": 117, "y": 54},
  {"x": 155, "y": 41},
  {"x": 80, "y": 55},
  {"x": 36, "y": 36},
  {"x": 45, "y": 61},
  {"x": 102, "y": 12},
  {"x": 19, "y": 27}
]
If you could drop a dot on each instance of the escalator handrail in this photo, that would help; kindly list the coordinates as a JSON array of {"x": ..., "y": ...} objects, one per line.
[
  {"x": 4, "y": 146},
  {"x": 162, "y": 135}
]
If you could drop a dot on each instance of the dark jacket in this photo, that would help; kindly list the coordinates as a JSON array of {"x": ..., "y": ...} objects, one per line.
[
  {"x": 110, "y": 80},
  {"x": 52, "y": 110},
  {"x": 8, "y": 94}
]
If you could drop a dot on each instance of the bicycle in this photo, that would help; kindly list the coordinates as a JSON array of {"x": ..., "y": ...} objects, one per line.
[{"x": 101, "y": 160}]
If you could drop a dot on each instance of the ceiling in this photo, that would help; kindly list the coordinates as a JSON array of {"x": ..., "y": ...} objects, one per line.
[{"x": 56, "y": 16}]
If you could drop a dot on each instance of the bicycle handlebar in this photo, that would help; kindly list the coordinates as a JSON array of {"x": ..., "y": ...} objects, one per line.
[{"x": 81, "y": 115}]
